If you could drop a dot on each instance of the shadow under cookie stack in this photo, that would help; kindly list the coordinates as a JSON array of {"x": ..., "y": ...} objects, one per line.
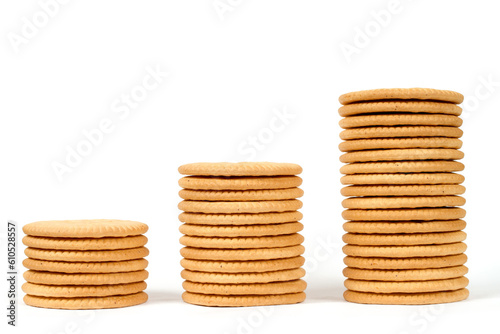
[
  {"x": 404, "y": 238},
  {"x": 85, "y": 264},
  {"x": 241, "y": 224}
]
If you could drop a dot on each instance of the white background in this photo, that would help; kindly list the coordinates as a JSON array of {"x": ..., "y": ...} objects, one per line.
[{"x": 227, "y": 75}]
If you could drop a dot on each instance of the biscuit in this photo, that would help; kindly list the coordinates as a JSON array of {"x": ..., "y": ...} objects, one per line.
[
  {"x": 406, "y": 298},
  {"x": 242, "y": 254},
  {"x": 402, "y": 263},
  {"x": 72, "y": 291},
  {"x": 48, "y": 278},
  {"x": 402, "y": 94},
  {"x": 241, "y": 195},
  {"x": 426, "y": 107},
  {"x": 87, "y": 256},
  {"x": 242, "y": 266},
  {"x": 405, "y": 274},
  {"x": 413, "y": 178},
  {"x": 397, "y": 119},
  {"x": 404, "y": 239},
  {"x": 415, "y": 166},
  {"x": 85, "y": 243},
  {"x": 405, "y": 251},
  {"x": 87, "y": 303},
  {"x": 402, "y": 155},
  {"x": 396, "y": 202},
  {"x": 399, "y": 143},
  {"x": 407, "y": 287},
  {"x": 404, "y": 190},
  {"x": 241, "y": 218},
  {"x": 238, "y": 278},
  {"x": 241, "y": 230},
  {"x": 85, "y": 267},
  {"x": 239, "y": 183},
  {"x": 97, "y": 228},
  {"x": 404, "y": 214},
  {"x": 405, "y": 227},
  {"x": 240, "y": 207},
  {"x": 243, "y": 242},
  {"x": 401, "y": 131},
  {"x": 251, "y": 300},
  {"x": 240, "y": 169},
  {"x": 273, "y": 288}
]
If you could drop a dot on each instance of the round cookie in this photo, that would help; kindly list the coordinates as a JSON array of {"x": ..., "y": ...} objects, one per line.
[
  {"x": 97, "y": 228},
  {"x": 378, "y": 227},
  {"x": 87, "y": 256},
  {"x": 242, "y": 254},
  {"x": 241, "y": 195},
  {"x": 239, "y": 183},
  {"x": 242, "y": 242},
  {"x": 402, "y": 94},
  {"x": 397, "y": 119},
  {"x": 404, "y": 190},
  {"x": 235, "y": 301},
  {"x": 85, "y": 243},
  {"x": 405, "y": 274},
  {"x": 426, "y": 107},
  {"x": 85, "y": 267},
  {"x": 406, "y": 298},
  {"x": 407, "y": 287},
  {"x": 72, "y": 291},
  {"x": 404, "y": 239},
  {"x": 399, "y": 143},
  {"x": 401, "y": 131},
  {"x": 402, "y": 155},
  {"x": 240, "y": 169},
  {"x": 404, "y": 214},
  {"x": 242, "y": 266},
  {"x": 240, "y": 219},
  {"x": 405, "y": 251},
  {"x": 273, "y": 288},
  {"x": 415, "y": 166},
  {"x": 48, "y": 278},
  {"x": 413, "y": 178},
  {"x": 87, "y": 303},
  {"x": 396, "y": 202},
  {"x": 402, "y": 263},
  {"x": 240, "y": 207},
  {"x": 241, "y": 230},
  {"x": 239, "y": 278}
]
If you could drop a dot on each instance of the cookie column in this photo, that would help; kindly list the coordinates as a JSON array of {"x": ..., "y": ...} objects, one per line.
[
  {"x": 241, "y": 224},
  {"x": 405, "y": 239}
]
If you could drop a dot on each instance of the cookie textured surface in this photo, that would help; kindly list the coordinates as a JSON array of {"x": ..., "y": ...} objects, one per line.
[
  {"x": 405, "y": 251},
  {"x": 396, "y": 202},
  {"x": 427, "y": 107},
  {"x": 404, "y": 239},
  {"x": 407, "y": 287},
  {"x": 85, "y": 243},
  {"x": 273, "y": 288},
  {"x": 240, "y": 207},
  {"x": 380, "y": 227},
  {"x": 85, "y": 267},
  {"x": 450, "y": 213},
  {"x": 405, "y": 263},
  {"x": 243, "y": 242},
  {"x": 241, "y": 230},
  {"x": 242, "y": 266},
  {"x": 97, "y": 228},
  {"x": 241, "y": 218},
  {"x": 42, "y": 277},
  {"x": 414, "y": 166},
  {"x": 405, "y": 274},
  {"x": 406, "y": 298},
  {"x": 401, "y": 131},
  {"x": 399, "y": 143},
  {"x": 216, "y": 300},
  {"x": 242, "y": 254},
  {"x": 402, "y": 94},
  {"x": 86, "y": 303},
  {"x": 72, "y": 291},
  {"x": 404, "y": 190},
  {"x": 396, "y": 119},
  {"x": 238, "y": 278},
  {"x": 412, "y": 178},
  {"x": 402, "y": 155},
  {"x": 239, "y": 183},
  {"x": 240, "y": 169},
  {"x": 241, "y": 195},
  {"x": 87, "y": 256}
]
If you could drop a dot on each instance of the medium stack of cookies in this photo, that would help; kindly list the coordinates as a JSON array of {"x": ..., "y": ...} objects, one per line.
[
  {"x": 241, "y": 224},
  {"x": 404, "y": 231},
  {"x": 85, "y": 264}
]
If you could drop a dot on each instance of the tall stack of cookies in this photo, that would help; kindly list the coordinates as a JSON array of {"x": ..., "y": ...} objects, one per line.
[
  {"x": 241, "y": 224},
  {"x": 85, "y": 264},
  {"x": 404, "y": 238}
]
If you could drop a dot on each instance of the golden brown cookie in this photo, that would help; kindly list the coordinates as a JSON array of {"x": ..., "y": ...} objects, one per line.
[
  {"x": 413, "y": 178},
  {"x": 404, "y": 239},
  {"x": 407, "y": 287},
  {"x": 401, "y": 131},
  {"x": 405, "y": 251},
  {"x": 396, "y": 202},
  {"x": 399, "y": 143},
  {"x": 72, "y": 291},
  {"x": 242, "y": 242},
  {"x": 402, "y": 94},
  {"x": 405, "y": 274},
  {"x": 426, "y": 107},
  {"x": 273, "y": 288},
  {"x": 404, "y": 190},
  {"x": 241, "y": 195},
  {"x": 240, "y": 218},
  {"x": 397, "y": 119},
  {"x": 415, "y": 166},
  {"x": 87, "y": 256},
  {"x": 86, "y": 267},
  {"x": 87, "y": 303},
  {"x": 404, "y": 214},
  {"x": 251, "y": 300},
  {"x": 402, "y": 155},
  {"x": 240, "y": 230},
  {"x": 85, "y": 243},
  {"x": 404, "y": 227},
  {"x": 240, "y": 169},
  {"x": 406, "y": 298},
  {"x": 402, "y": 263},
  {"x": 240, "y": 207},
  {"x": 43, "y": 277},
  {"x": 239, "y": 183},
  {"x": 239, "y": 278},
  {"x": 242, "y": 266},
  {"x": 242, "y": 254}
]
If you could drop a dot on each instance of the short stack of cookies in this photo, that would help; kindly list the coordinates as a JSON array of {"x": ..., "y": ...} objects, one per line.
[
  {"x": 241, "y": 224},
  {"x": 85, "y": 264},
  {"x": 404, "y": 231}
]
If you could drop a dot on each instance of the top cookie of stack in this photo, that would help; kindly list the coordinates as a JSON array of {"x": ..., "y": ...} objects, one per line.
[
  {"x": 404, "y": 231},
  {"x": 241, "y": 242},
  {"x": 85, "y": 264}
]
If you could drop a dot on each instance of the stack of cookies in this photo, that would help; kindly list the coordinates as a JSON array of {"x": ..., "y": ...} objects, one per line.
[
  {"x": 85, "y": 264},
  {"x": 241, "y": 224},
  {"x": 404, "y": 238}
]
